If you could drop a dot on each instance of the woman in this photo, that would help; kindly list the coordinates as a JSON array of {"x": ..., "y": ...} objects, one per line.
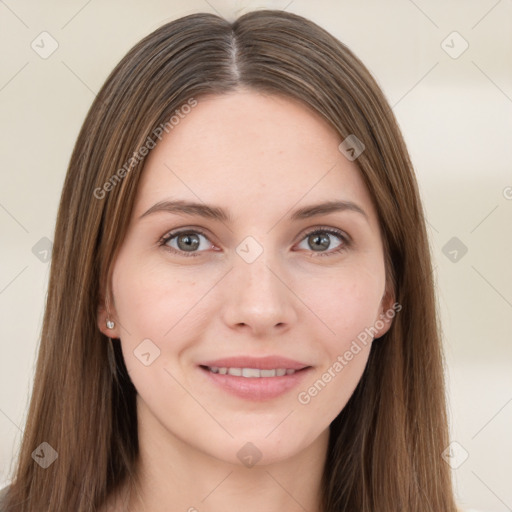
[{"x": 241, "y": 312}]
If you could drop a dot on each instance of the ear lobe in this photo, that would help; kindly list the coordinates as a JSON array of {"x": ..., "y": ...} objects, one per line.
[
  {"x": 382, "y": 325},
  {"x": 101, "y": 319}
]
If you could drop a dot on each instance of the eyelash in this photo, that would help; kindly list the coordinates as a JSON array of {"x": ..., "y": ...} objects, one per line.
[{"x": 346, "y": 242}]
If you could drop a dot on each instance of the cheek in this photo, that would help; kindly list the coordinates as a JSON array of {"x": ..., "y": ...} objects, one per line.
[
  {"x": 151, "y": 299},
  {"x": 347, "y": 303},
  {"x": 349, "y": 311},
  {"x": 153, "y": 304}
]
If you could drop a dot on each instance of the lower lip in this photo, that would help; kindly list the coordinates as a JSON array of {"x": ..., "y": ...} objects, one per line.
[{"x": 257, "y": 388}]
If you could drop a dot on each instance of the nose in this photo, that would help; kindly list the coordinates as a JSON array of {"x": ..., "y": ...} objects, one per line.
[{"x": 259, "y": 299}]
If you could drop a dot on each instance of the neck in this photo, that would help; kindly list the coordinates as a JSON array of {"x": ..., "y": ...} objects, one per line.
[{"x": 172, "y": 475}]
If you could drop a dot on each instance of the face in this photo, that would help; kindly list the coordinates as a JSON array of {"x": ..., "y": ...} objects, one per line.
[{"x": 213, "y": 302}]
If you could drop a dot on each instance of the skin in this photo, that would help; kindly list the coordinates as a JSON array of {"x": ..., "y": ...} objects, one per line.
[{"x": 259, "y": 157}]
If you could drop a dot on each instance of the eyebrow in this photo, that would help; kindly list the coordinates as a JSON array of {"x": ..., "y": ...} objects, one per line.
[{"x": 217, "y": 213}]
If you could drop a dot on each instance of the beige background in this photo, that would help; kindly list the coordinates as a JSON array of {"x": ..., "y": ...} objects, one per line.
[{"x": 456, "y": 116}]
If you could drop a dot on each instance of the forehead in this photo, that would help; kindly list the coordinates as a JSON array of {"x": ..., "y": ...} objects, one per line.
[{"x": 248, "y": 149}]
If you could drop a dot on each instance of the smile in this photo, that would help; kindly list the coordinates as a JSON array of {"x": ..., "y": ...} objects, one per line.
[
  {"x": 255, "y": 384},
  {"x": 252, "y": 372}
]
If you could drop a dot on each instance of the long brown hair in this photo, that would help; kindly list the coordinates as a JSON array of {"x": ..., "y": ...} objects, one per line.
[{"x": 385, "y": 446}]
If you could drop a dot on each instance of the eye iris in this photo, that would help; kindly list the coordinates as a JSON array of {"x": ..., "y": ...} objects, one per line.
[
  {"x": 190, "y": 242},
  {"x": 322, "y": 240}
]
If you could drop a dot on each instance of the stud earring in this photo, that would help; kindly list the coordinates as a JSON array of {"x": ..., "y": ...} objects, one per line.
[{"x": 110, "y": 324}]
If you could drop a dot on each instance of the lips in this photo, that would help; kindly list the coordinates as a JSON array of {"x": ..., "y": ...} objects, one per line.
[{"x": 255, "y": 378}]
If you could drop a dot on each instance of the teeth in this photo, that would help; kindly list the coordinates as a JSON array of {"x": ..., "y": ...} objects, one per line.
[{"x": 252, "y": 372}]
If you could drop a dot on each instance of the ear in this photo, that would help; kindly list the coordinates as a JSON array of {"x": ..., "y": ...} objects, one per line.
[
  {"x": 387, "y": 311},
  {"x": 103, "y": 314}
]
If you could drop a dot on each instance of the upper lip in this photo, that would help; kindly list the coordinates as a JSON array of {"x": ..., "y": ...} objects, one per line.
[{"x": 262, "y": 363}]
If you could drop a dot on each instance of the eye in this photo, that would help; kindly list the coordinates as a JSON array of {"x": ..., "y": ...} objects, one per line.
[
  {"x": 319, "y": 240},
  {"x": 189, "y": 242},
  {"x": 185, "y": 242}
]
